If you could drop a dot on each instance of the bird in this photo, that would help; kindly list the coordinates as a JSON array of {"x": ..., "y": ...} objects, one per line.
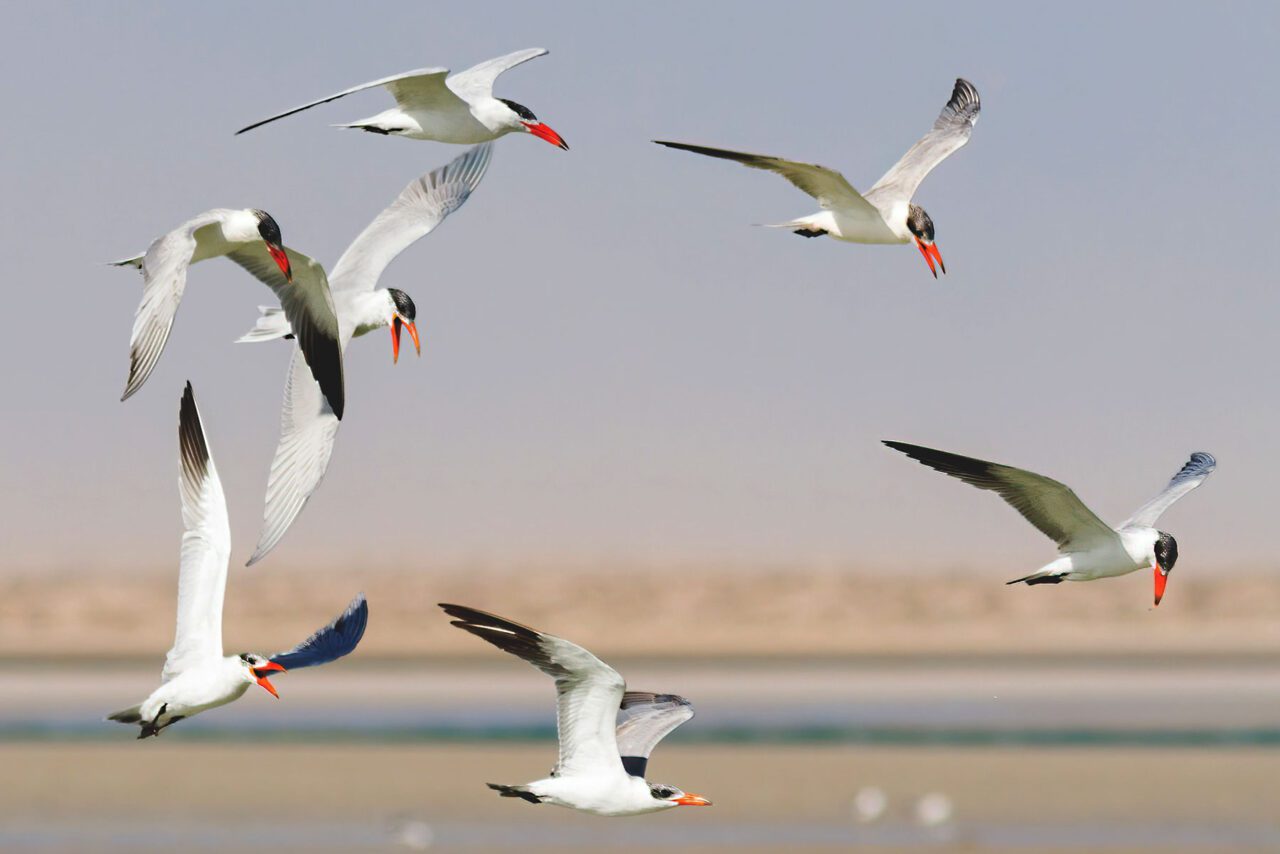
[
  {"x": 431, "y": 104},
  {"x": 606, "y": 732},
  {"x": 251, "y": 238},
  {"x": 197, "y": 676},
  {"x": 885, "y": 213},
  {"x": 308, "y": 424},
  {"x": 1089, "y": 548}
]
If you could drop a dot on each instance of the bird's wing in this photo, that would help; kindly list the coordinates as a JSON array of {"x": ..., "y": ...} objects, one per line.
[
  {"x": 1049, "y": 505},
  {"x": 308, "y": 428},
  {"x": 477, "y": 81},
  {"x": 1191, "y": 475},
  {"x": 950, "y": 132},
  {"x": 589, "y": 691},
  {"x": 418, "y": 209},
  {"x": 330, "y": 643},
  {"x": 164, "y": 275},
  {"x": 308, "y": 305},
  {"x": 206, "y": 548},
  {"x": 828, "y": 186},
  {"x": 644, "y": 720},
  {"x": 421, "y": 88}
]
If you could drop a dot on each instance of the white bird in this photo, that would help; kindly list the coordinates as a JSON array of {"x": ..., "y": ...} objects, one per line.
[
  {"x": 252, "y": 239},
  {"x": 606, "y": 732},
  {"x": 308, "y": 424},
  {"x": 197, "y": 676},
  {"x": 1090, "y": 549},
  {"x": 432, "y": 104},
  {"x": 885, "y": 213}
]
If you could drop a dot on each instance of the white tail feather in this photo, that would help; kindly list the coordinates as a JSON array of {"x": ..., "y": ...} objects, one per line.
[{"x": 272, "y": 324}]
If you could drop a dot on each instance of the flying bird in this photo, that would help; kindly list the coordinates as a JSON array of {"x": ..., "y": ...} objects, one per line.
[
  {"x": 308, "y": 424},
  {"x": 250, "y": 238},
  {"x": 1089, "y": 548},
  {"x": 432, "y": 104},
  {"x": 197, "y": 676},
  {"x": 606, "y": 732},
  {"x": 885, "y": 213}
]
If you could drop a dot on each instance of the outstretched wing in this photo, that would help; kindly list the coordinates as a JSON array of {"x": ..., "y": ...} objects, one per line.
[
  {"x": 308, "y": 305},
  {"x": 1049, "y": 505},
  {"x": 644, "y": 720},
  {"x": 950, "y": 132},
  {"x": 308, "y": 428},
  {"x": 477, "y": 81},
  {"x": 206, "y": 548},
  {"x": 589, "y": 691},
  {"x": 418, "y": 209},
  {"x": 330, "y": 643},
  {"x": 828, "y": 186},
  {"x": 164, "y": 272},
  {"x": 420, "y": 88},
  {"x": 1191, "y": 475}
]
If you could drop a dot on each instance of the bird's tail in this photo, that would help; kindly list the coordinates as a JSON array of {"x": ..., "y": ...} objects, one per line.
[
  {"x": 131, "y": 715},
  {"x": 271, "y": 324},
  {"x": 521, "y": 792},
  {"x": 805, "y": 226},
  {"x": 135, "y": 261},
  {"x": 1040, "y": 577}
]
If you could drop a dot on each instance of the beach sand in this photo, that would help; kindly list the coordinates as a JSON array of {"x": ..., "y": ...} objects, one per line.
[{"x": 109, "y": 797}]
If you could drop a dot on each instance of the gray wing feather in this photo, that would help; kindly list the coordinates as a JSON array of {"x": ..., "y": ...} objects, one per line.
[
  {"x": 828, "y": 186},
  {"x": 950, "y": 132},
  {"x": 308, "y": 305},
  {"x": 477, "y": 81},
  {"x": 406, "y": 85},
  {"x": 1049, "y": 505},
  {"x": 644, "y": 719},
  {"x": 589, "y": 692},
  {"x": 419, "y": 208},
  {"x": 1191, "y": 475},
  {"x": 332, "y": 642}
]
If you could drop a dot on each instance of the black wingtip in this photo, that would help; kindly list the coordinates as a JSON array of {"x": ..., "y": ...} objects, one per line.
[{"x": 192, "y": 447}]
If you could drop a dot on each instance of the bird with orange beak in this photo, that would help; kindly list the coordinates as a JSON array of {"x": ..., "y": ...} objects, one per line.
[
  {"x": 1089, "y": 548},
  {"x": 197, "y": 676}
]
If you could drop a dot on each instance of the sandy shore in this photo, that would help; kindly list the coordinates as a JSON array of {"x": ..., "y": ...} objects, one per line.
[
  {"x": 110, "y": 797},
  {"x": 705, "y": 611}
]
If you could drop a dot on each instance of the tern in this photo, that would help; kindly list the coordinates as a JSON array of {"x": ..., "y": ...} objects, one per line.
[
  {"x": 432, "y": 104},
  {"x": 250, "y": 238},
  {"x": 1089, "y": 548},
  {"x": 885, "y": 213},
  {"x": 197, "y": 676},
  {"x": 308, "y": 424},
  {"x": 606, "y": 732}
]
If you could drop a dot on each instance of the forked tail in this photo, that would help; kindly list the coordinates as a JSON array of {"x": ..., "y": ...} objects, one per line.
[{"x": 521, "y": 792}]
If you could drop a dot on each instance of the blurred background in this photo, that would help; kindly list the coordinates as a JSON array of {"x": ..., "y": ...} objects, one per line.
[{"x": 642, "y": 424}]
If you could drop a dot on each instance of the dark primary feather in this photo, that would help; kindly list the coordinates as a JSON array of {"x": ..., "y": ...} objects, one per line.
[
  {"x": 332, "y": 642},
  {"x": 1200, "y": 464},
  {"x": 192, "y": 447},
  {"x": 521, "y": 641},
  {"x": 964, "y": 106}
]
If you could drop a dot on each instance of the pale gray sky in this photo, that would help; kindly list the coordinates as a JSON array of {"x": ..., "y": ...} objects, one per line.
[{"x": 638, "y": 374}]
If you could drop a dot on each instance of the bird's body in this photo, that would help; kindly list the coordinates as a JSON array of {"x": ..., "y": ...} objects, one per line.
[
  {"x": 433, "y": 105},
  {"x": 606, "y": 733},
  {"x": 197, "y": 676},
  {"x": 309, "y": 426},
  {"x": 1088, "y": 548},
  {"x": 250, "y": 238},
  {"x": 884, "y": 214}
]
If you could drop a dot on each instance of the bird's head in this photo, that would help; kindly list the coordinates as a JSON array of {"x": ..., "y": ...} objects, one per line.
[
  {"x": 270, "y": 233},
  {"x": 670, "y": 796},
  {"x": 1166, "y": 549},
  {"x": 521, "y": 118},
  {"x": 402, "y": 314},
  {"x": 256, "y": 668},
  {"x": 921, "y": 228}
]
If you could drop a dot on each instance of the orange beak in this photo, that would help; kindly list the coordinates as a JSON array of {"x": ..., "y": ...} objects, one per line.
[
  {"x": 1161, "y": 579},
  {"x": 542, "y": 131},
  {"x": 263, "y": 681},
  {"x": 692, "y": 800},
  {"x": 395, "y": 337},
  {"x": 282, "y": 260},
  {"x": 931, "y": 254}
]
